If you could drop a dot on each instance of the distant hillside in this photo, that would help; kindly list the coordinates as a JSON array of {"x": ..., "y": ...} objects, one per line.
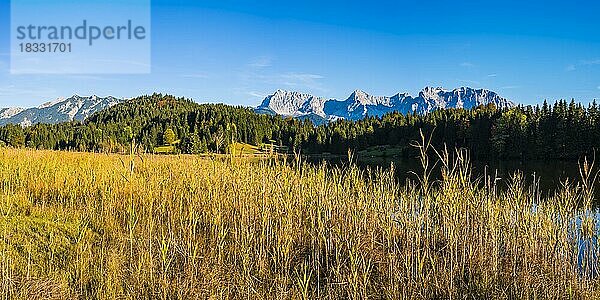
[{"x": 200, "y": 126}]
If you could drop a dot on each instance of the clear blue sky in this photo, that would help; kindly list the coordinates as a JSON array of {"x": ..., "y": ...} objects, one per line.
[{"x": 237, "y": 52}]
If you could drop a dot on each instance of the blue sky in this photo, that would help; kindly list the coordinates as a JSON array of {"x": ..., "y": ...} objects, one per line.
[{"x": 237, "y": 52}]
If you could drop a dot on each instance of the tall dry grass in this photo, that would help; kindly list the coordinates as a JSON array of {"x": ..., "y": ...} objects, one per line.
[{"x": 94, "y": 226}]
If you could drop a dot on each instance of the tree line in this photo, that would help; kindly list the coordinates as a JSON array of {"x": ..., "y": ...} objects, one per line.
[
  {"x": 559, "y": 131},
  {"x": 562, "y": 130}
]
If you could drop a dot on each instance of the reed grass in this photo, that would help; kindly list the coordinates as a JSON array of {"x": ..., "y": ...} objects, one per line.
[{"x": 92, "y": 226}]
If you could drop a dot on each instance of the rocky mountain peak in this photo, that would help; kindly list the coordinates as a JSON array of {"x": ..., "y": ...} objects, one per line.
[
  {"x": 361, "y": 104},
  {"x": 60, "y": 110}
]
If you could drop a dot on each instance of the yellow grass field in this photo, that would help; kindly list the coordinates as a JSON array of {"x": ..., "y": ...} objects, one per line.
[{"x": 93, "y": 226}]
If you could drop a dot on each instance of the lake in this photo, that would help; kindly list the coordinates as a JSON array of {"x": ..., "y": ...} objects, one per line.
[{"x": 550, "y": 174}]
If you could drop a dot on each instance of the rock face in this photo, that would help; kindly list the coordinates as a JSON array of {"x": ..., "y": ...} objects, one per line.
[
  {"x": 60, "y": 110},
  {"x": 360, "y": 104},
  {"x": 292, "y": 104}
]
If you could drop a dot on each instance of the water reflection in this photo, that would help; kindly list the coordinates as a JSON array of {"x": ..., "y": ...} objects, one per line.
[{"x": 548, "y": 175}]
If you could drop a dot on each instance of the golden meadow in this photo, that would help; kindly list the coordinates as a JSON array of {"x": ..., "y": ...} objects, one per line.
[{"x": 97, "y": 226}]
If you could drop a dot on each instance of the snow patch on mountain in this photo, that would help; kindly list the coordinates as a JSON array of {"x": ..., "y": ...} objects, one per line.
[
  {"x": 51, "y": 103},
  {"x": 9, "y": 112},
  {"x": 57, "y": 111}
]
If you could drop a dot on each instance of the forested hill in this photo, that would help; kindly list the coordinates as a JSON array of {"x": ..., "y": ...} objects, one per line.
[
  {"x": 562, "y": 130},
  {"x": 199, "y": 127}
]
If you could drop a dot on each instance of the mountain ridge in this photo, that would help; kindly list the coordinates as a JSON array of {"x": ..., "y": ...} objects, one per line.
[
  {"x": 60, "y": 110},
  {"x": 361, "y": 104},
  {"x": 319, "y": 110}
]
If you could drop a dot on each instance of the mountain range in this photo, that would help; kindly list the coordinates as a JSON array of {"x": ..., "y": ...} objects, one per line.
[
  {"x": 285, "y": 103},
  {"x": 57, "y": 111},
  {"x": 360, "y": 104}
]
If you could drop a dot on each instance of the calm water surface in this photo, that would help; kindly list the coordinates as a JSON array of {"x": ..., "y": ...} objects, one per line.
[{"x": 551, "y": 175}]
